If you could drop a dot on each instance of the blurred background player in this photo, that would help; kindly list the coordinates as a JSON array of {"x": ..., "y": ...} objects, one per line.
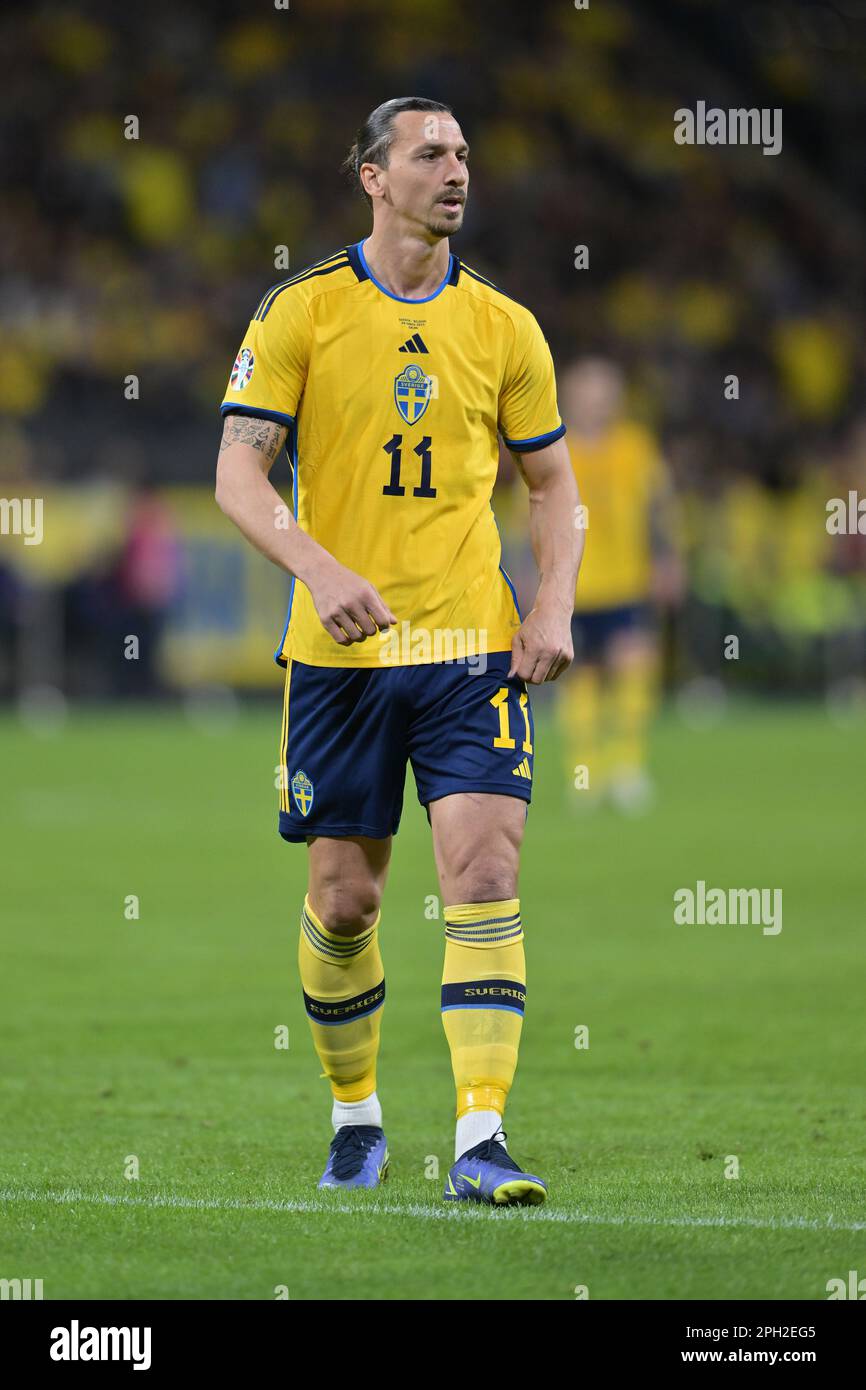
[{"x": 631, "y": 566}]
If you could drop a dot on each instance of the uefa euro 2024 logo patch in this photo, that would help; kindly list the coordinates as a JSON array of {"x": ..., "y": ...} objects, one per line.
[
  {"x": 412, "y": 392},
  {"x": 242, "y": 370},
  {"x": 302, "y": 791}
]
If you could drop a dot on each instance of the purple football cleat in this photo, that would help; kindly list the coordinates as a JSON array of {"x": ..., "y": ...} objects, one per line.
[
  {"x": 358, "y": 1157},
  {"x": 488, "y": 1173}
]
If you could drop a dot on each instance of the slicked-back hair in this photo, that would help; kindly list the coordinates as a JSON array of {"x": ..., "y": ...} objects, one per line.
[{"x": 376, "y": 136}]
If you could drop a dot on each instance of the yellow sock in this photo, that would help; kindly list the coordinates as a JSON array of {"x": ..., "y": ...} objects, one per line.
[
  {"x": 632, "y": 702},
  {"x": 483, "y": 994},
  {"x": 579, "y": 710},
  {"x": 344, "y": 991}
]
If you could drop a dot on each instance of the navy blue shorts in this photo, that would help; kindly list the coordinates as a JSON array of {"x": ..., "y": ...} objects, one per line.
[
  {"x": 593, "y": 629},
  {"x": 348, "y": 733}
]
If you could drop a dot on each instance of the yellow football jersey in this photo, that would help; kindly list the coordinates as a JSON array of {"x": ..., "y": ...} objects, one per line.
[
  {"x": 618, "y": 475},
  {"x": 393, "y": 407}
]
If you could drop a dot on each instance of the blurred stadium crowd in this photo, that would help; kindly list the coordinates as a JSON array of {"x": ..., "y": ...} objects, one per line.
[{"x": 148, "y": 256}]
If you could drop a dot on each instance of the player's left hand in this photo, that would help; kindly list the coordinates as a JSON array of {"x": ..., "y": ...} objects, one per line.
[{"x": 542, "y": 648}]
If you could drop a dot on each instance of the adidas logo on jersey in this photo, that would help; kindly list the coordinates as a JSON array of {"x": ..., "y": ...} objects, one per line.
[
  {"x": 415, "y": 344},
  {"x": 522, "y": 770}
]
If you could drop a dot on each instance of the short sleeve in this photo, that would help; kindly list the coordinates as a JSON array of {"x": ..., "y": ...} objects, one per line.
[
  {"x": 528, "y": 413},
  {"x": 270, "y": 370}
]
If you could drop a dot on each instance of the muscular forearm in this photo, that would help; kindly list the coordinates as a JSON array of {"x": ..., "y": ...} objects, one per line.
[
  {"x": 243, "y": 491},
  {"x": 250, "y": 500},
  {"x": 557, "y": 542},
  {"x": 542, "y": 648},
  {"x": 350, "y": 609}
]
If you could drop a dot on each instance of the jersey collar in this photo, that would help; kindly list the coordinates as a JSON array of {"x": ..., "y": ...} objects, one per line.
[{"x": 358, "y": 262}]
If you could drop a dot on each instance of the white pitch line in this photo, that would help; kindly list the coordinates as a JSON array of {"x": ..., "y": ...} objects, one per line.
[{"x": 71, "y": 1196}]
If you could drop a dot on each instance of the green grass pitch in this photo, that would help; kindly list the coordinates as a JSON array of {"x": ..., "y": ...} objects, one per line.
[{"x": 155, "y": 1038}]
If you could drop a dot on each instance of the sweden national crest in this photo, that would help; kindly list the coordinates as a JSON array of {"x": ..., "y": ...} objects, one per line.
[
  {"x": 412, "y": 391},
  {"x": 302, "y": 791}
]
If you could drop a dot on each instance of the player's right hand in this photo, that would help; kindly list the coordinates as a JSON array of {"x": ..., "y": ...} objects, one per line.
[{"x": 349, "y": 608}]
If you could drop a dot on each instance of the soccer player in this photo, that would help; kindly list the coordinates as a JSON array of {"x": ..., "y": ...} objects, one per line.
[
  {"x": 632, "y": 564},
  {"x": 388, "y": 368}
]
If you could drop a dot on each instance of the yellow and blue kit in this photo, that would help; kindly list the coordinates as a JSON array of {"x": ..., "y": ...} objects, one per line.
[{"x": 393, "y": 408}]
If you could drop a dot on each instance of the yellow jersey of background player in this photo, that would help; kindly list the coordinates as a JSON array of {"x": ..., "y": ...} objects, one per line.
[{"x": 632, "y": 568}]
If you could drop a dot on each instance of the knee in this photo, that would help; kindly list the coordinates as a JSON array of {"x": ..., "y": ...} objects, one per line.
[
  {"x": 491, "y": 882},
  {"x": 345, "y": 905}
]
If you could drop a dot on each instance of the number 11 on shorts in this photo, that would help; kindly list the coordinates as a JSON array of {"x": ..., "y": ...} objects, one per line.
[{"x": 500, "y": 703}]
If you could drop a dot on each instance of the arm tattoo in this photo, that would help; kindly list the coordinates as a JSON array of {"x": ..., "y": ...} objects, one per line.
[{"x": 264, "y": 435}]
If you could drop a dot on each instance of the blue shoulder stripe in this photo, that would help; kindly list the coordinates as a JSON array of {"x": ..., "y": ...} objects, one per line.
[
  {"x": 290, "y": 279},
  {"x": 483, "y": 280},
  {"x": 331, "y": 263}
]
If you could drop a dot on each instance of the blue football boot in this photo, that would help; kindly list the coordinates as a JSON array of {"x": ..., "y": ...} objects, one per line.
[
  {"x": 358, "y": 1157},
  {"x": 488, "y": 1173}
]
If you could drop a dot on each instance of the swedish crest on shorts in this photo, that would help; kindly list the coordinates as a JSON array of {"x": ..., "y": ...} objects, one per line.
[
  {"x": 302, "y": 792},
  {"x": 412, "y": 392}
]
